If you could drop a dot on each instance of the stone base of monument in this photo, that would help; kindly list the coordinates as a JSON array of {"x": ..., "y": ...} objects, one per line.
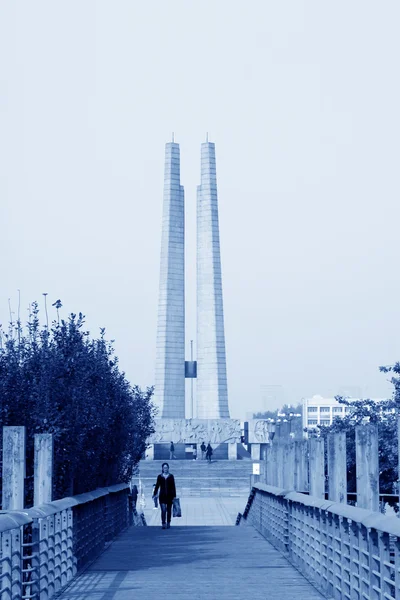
[
  {"x": 224, "y": 435},
  {"x": 185, "y": 451}
]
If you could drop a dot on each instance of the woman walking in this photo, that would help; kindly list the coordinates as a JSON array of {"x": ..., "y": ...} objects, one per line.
[
  {"x": 209, "y": 452},
  {"x": 165, "y": 487}
]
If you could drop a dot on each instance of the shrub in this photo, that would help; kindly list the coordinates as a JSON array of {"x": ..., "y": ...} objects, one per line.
[{"x": 57, "y": 380}]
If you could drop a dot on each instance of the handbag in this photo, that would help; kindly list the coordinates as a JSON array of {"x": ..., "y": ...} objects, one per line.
[{"x": 176, "y": 508}]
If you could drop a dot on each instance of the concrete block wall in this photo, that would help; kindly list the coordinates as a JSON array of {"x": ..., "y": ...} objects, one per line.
[
  {"x": 169, "y": 393},
  {"x": 211, "y": 389}
]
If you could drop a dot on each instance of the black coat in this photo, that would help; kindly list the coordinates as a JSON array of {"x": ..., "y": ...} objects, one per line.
[
  {"x": 166, "y": 488},
  {"x": 134, "y": 492}
]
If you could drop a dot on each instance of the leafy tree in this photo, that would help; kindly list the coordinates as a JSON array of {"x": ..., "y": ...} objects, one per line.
[
  {"x": 384, "y": 414},
  {"x": 273, "y": 414},
  {"x": 296, "y": 425},
  {"x": 57, "y": 380},
  {"x": 267, "y": 414}
]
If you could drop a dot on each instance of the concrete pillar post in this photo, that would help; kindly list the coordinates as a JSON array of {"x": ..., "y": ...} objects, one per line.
[
  {"x": 255, "y": 451},
  {"x": 149, "y": 453},
  {"x": 288, "y": 465},
  {"x": 279, "y": 464},
  {"x": 285, "y": 430},
  {"x": 268, "y": 465},
  {"x": 367, "y": 467},
  {"x": 337, "y": 467},
  {"x": 13, "y": 468},
  {"x": 232, "y": 451},
  {"x": 301, "y": 466},
  {"x": 274, "y": 469},
  {"x": 43, "y": 469},
  {"x": 317, "y": 467}
]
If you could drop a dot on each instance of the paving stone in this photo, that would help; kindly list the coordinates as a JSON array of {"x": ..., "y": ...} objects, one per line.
[{"x": 218, "y": 563}]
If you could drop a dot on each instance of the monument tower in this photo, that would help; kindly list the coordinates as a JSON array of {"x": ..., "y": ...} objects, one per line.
[
  {"x": 212, "y": 389},
  {"x": 169, "y": 392},
  {"x": 212, "y": 423}
]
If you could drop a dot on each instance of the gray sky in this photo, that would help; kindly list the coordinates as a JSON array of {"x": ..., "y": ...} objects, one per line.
[{"x": 302, "y": 100}]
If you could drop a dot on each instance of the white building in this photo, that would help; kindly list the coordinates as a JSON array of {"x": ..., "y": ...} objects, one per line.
[{"x": 321, "y": 411}]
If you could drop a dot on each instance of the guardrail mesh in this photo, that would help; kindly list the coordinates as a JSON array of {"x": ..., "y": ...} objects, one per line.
[
  {"x": 347, "y": 552},
  {"x": 43, "y": 548}
]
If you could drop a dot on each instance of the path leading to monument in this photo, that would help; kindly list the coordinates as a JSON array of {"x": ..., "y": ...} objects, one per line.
[
  {"x": 201, "y": 511},
  {"x": 181, "y": 563}
]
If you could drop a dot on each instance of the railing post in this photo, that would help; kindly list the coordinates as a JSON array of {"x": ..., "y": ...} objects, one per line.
[
  {"x": 51, "y": 553},
  {"x": 317, "y": 467},
  {"x": 6, "y": 577},
  {"x": 337, "y": 467},
  {"x": 35, "y": 561},
  {"x": 43, "y": 468},
  {"x": 57, "y": 551},
  {"x": 16, "y": 561},
  {"x": 13, "y": 468},
  {"x": 301, "y": 466},
  {"x": 367, "y": 466}
]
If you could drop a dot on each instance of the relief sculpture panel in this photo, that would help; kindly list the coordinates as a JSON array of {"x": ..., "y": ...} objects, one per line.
[
  {"x": 194, "y": 431},
  {"x": 258, "y": 431}
]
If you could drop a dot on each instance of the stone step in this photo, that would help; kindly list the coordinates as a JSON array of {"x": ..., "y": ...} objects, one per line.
[
  {"x": 196, "y": 466},
  {"x": 212, "y": 482},
  {"x": 147, "y": 483},
  {"x": 228, "y": 464},
  {"x": 209, "y": 493},
  {"x": 227, "y": 481},
  {"x": 199, "y": 478}
]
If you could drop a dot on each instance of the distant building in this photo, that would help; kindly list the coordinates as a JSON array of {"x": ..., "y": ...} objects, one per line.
[
  {"x": 272, "y": 397},
  {"x": 352, "y": 391},
  {"x": 321, "y": 411}
]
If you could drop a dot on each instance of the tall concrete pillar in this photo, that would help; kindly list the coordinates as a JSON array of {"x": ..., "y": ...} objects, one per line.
[
  {"x": 14, "y": 469},
  {"x": 367, "y": 466},
  {"x": 337, "y": 467},
  {"x": 169, "y": 393},
  {"x": 317, "y": 467},
  {"x": 43, "y": 469},
  {"x": 212, "y": 389}
]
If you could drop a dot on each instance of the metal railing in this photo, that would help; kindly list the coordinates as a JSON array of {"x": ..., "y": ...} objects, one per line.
[
  {"x": 15, "y": 556},
  {"x": 44, "y": 547},
  {"x": 347, "y": 552}
]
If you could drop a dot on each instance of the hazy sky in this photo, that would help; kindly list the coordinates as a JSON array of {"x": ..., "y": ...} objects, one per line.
[{"x": 302, "y": 100}]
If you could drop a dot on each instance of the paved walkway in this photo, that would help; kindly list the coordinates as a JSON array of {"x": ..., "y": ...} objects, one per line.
[
  {"x": 201, "y": 511},
  {"x": 191, "y": 563}
]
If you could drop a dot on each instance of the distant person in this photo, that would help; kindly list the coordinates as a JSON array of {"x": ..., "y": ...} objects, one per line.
[
  {"x": 209, "y": 452},
  {"x": 155, "y": 498},
  {"x": 171, "y": 451},
  {"x": 203, "y": 449},
  {"x": 165, "y": 487},
  {"x": 134, "y": 495},
  {"x": 195, "y": 452}
]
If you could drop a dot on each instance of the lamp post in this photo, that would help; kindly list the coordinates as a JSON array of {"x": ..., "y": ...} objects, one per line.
[
  {"x": 271, "y": 429},
  {"x": 288, "y": 418}
]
